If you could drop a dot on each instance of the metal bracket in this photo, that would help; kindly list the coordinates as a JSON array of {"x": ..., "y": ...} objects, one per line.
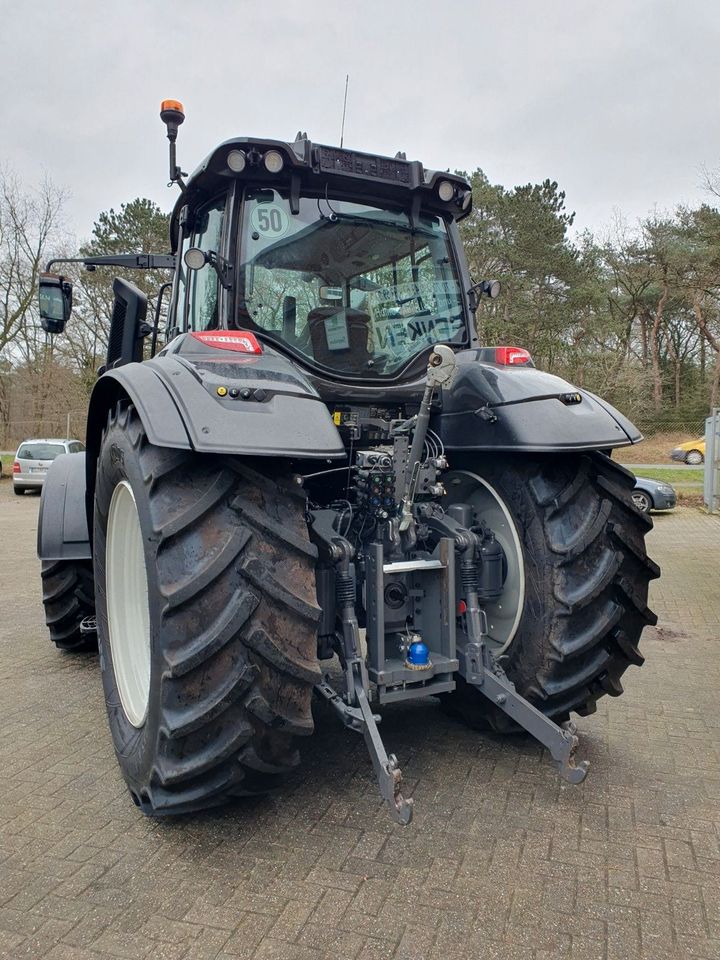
[
  {"x": 479, "y": 668},
  {"x": 363, "y": 720}
]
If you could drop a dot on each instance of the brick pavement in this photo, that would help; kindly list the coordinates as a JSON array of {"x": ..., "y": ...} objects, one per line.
[{"x": 502, "y": 860}]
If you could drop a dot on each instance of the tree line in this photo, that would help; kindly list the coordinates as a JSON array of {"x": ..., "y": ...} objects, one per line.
[{"x": 633, "y": 315}]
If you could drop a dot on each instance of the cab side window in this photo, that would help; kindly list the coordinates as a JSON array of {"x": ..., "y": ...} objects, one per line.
[{"x": 203, "y": 283}]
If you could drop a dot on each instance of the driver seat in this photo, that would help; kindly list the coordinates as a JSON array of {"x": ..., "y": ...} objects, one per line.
[{"x": 355, "y": 331}]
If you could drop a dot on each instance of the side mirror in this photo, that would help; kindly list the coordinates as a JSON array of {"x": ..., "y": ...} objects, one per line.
[{"x": 55, "y": 296}]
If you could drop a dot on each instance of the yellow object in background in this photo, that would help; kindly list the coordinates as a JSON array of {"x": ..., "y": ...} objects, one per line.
[{"x": 692, "y": 452}]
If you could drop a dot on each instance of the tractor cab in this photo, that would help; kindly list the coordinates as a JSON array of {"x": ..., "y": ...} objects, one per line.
[{"x": 348, "y": 264}]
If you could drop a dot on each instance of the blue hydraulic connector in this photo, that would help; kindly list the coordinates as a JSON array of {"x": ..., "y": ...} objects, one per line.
[{"x": 418, "y": 655}]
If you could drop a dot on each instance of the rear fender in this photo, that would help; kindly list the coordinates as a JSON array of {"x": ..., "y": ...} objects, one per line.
[
  {"x": 62, "y": 522},
  {"x": 493, "y": 407},
  {"x": 185, "y": 402}
]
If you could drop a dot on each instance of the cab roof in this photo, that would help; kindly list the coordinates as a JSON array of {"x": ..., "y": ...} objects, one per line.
[{"x": 314, "y": 167}]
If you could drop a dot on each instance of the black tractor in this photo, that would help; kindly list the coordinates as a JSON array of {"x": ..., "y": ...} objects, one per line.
[{"x": 323, "y": 463}]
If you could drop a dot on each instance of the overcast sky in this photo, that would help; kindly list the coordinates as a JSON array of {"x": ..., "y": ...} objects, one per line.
[{"x": 617, "y": 101}]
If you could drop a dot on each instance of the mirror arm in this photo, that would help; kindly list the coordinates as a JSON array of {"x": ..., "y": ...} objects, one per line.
[
  {"x": 136, "y": 261},
  {"x": 156, "y": 323}
]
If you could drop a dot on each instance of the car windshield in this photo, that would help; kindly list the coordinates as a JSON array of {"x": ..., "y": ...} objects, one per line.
[
  {"x": 356, "y": 289},
  {"x": 40, "y": 451}
]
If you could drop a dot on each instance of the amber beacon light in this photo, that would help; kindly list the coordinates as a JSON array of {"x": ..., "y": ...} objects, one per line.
[{"x": 172, "y": 115}]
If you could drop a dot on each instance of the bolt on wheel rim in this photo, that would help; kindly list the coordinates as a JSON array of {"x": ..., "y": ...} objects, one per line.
[{"x": 127, "y": 604}]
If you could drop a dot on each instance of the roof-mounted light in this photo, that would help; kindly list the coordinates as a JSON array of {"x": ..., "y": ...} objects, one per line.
[
  {"x": 273, "y": 161},
  {"x": 446, "y": 190},
  {"x": 236, "y": 160},
  {"x": 172, "y": 110}
]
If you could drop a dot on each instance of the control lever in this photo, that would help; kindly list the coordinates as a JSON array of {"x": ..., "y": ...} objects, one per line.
[{"x": 441, "y": 366}]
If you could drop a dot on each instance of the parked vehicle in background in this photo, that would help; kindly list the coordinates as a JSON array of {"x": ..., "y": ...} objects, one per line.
[
  {"x": 33, "y": 459},
  {"x": 692, "y": 452},
  {"x": 653, "y": 495}
]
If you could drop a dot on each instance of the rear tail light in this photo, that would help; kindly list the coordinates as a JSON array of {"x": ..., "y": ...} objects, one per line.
[
  {"x": 507, "y": 356},
  {"x": 16, "y": 467},
  {"x": 240, "y": 341}
]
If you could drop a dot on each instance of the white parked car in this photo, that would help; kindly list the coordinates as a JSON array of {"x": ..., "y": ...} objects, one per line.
[{"x": 33, "y": 459}]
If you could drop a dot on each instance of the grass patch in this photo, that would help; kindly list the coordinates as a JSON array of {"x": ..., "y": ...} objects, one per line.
[{"x": 676, "y": 478}]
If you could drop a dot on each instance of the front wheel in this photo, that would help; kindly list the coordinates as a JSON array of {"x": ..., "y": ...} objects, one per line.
[
  {"x": 577, "y": 573},
  {"x": 207, "y": 621},
  {"x": 68, "y": 595},
  {"x": 694, "y": 458}
]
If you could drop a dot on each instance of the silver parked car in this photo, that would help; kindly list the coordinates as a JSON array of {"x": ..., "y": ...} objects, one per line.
[
  {"x": 33, "y": 460},
  {"x": 653, "y": 495}
]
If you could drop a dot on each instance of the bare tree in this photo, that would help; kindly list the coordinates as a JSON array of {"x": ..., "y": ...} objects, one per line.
[{"x": 29, "y": 223}]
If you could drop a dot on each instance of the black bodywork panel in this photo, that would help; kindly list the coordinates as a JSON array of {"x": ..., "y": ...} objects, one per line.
[
  {"x": 62, "y": 522},
  {"x": 492, "y": 407},
  {"x": 271, "y": 408},
  {"x": 176, "y": 396}
]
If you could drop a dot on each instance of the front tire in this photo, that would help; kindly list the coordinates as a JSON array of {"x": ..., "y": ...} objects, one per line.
[
  {"x": 586, "y": 575},
  {"x": 68, "y": 596},
  {"x": 694, "y": 458},
  {"x": 231, "y": 622}
]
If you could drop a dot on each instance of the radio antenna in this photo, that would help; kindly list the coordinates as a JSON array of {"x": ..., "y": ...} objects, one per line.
[{"x": 342, "y": 128}]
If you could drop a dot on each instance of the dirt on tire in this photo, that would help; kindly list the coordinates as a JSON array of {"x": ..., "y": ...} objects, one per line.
[
  {"x": 587, "y": 575},
  {"x": 233, "y": 614}
]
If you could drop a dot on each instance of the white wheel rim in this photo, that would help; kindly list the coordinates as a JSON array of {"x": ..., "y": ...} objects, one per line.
[
  {"x": 127, "y": 604},
  {"x": 504, "y": 615}
]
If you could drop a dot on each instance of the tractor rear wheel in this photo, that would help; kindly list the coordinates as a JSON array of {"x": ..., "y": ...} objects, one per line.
[
  {"x": 207, "y": 619},
  {"x": 578, "y": 574},
  {"x": 68, "y": 596}
]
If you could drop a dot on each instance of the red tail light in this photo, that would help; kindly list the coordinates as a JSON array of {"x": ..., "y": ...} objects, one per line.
[
  {"x": 512, "y": 356},
  {"x": 16, "y": 467},
  {"x": 240, "y": 341}
]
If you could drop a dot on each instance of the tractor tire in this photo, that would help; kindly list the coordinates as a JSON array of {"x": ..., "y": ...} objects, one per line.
[
  {"x": 68, "y": 596},
  {"x": 586, "y": 584},
  {"x": 228, "y": 593}
]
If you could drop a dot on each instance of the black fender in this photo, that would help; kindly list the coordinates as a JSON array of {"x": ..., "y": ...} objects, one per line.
[
  {"x": 195, "y": 397},
  {"x": 62, "y": 532},
  {"x": 488, "y": 406}
]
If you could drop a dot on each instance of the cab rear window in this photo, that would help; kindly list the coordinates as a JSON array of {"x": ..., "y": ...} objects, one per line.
[{"x": 40, "y": 451}]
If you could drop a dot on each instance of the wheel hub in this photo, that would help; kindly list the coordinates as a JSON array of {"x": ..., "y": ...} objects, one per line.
[{"x": 503, "y": 614}]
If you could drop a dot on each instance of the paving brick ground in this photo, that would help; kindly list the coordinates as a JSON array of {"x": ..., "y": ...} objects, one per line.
[{"x": 502, "y": 859}]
